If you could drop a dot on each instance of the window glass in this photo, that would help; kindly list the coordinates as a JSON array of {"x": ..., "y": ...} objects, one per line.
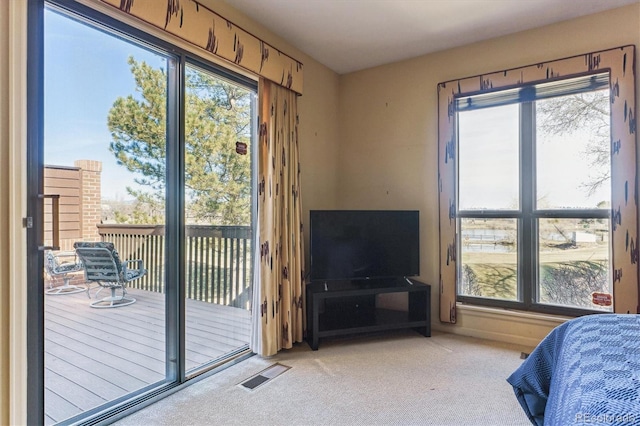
[
  {"x": 104, "y": 146},
  {"x": 574, "y": 261},
  {"x": 573, "y": 156},
  {"x": 217, "y": 214},
  {"x": 489, "y": 258},
  {"x": 488, "y": 158}
]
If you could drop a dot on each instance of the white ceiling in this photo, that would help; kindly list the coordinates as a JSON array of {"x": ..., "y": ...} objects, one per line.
[{"x": 350, "y": 35}]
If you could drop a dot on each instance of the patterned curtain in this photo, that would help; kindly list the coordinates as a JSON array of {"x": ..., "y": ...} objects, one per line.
[
  {"x": 200, "y": 26},
  {"x": 278, "y": 295}
]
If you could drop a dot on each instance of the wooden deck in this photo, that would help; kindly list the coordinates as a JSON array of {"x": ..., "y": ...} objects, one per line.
[{"x": 93, "y": 356}]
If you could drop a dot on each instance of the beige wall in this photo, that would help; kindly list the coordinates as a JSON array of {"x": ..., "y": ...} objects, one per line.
[
  {"x": 388, "y": 129},
  {"x": 13, "y": 196},
  {"x": 4, "y": 216},
  {"x": 368, "y": 140}
]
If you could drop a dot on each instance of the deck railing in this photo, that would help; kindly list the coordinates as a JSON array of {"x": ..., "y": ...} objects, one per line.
[{"x": 218, "y": 260}]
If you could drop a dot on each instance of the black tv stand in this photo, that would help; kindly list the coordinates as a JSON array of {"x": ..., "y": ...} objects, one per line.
[{"x": 336, "y": 308}]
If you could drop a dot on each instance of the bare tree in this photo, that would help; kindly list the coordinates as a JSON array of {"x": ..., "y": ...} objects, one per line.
[
  {"x": 470, "y": 285},
  {"x": 572, "y": 283},
  {"x": 587, "y": 111}
]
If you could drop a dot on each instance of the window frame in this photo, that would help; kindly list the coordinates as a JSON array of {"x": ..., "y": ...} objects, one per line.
[{"x": 527, "y": 216}]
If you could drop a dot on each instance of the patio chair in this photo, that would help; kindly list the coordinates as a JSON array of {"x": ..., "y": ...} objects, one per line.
[
  {"x": 61, "y": 264},
  {"x": 102, "y": 265}
]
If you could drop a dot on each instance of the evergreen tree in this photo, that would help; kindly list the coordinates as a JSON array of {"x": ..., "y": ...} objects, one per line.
[{"x": 217, "y": 115}]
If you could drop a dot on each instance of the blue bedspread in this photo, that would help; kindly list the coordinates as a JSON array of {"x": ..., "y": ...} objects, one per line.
[{"x": 586, "y": 371}]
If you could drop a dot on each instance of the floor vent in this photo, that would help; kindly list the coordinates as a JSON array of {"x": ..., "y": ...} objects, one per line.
[{"x": 264, "y": 376}]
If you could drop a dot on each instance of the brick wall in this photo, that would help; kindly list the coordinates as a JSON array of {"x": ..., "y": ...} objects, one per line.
[
  {"x": 79, "y": 188},
  {"x": 91, "y": 205}
]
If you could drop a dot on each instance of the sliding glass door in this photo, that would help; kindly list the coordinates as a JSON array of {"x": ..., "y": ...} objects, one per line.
[
  {"x": 105, "y": 144},
  {"x": 143, "y": 153},
  {"x": 217, "y": 187}
]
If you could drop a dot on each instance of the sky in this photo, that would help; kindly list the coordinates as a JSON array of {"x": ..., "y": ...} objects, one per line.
[
  {"x": 489, "y": 171},
  {"x": 85, "y": 72}
]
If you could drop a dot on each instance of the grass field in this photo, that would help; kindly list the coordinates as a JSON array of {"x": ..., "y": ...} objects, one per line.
[{"x": 569, "y": 273}]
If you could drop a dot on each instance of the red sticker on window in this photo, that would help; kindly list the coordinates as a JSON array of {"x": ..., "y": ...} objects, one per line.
[
  {"x": 601, "y": 299},
  {"x": 241, "y": 148}
]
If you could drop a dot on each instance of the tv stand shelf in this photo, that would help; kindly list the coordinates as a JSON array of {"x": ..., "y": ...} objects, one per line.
[{"x": 336, "y": 308}]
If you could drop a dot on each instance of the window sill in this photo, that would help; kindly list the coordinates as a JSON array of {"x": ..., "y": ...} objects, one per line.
[
  {"x": 502, "y": 325},
  {"x": 522, "y": 316}
]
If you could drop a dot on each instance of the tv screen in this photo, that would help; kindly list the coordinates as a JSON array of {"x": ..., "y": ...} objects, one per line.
[{"x": 362, "y": 244}]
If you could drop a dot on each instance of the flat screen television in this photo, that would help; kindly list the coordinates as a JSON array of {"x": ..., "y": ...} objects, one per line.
[{"x": 364, "y": 244}]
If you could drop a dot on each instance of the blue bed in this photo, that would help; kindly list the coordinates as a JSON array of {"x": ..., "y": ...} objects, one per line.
[{"x": 586, "y": 371}]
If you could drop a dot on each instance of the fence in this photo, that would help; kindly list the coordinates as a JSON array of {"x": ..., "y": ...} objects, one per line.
[{"x": 217, "y": 260}]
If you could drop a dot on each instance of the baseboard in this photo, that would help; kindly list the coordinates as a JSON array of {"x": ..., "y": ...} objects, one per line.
[{"x": 502, "y": 325}]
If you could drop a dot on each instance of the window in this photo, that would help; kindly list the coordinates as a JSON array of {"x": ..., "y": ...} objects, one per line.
[
  {"x": 533, "y": 199},
  {"x": 538, "y": 203}
]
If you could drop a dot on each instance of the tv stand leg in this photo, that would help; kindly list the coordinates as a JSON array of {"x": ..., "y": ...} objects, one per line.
[
  {"x": 424, "y": 331},
  {"x": 420, "y": 310},
  {"x": 315, "y": 324}
]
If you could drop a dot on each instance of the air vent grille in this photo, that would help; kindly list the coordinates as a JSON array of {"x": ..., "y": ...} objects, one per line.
[{"x": 264, "y": 376}]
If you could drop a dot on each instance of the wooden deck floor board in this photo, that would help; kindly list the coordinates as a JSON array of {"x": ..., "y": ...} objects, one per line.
[
  {"x": 58, "y": 408},
  {"x": 102, "y": 387},
  {"x": 109, "y": 346},
  {"x": 93, "y": 356},
  {"x": 215, "y": 324},
  {"x": 206, "y": 351},
  {"x": 112, "y": 335},
  {"x": 82, "y": 398},
  {"x": 92, "y": 366},
  {"x": 154, "y": 320},
  {"x": 64, "y": 320},
  {"x": 128, "y": 363},
  {"x": 152, "y": 316},
  {"x": 201, "y": 335}
]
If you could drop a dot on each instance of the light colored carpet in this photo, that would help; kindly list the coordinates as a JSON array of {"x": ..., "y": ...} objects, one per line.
[{"x": 397, "y": 378}]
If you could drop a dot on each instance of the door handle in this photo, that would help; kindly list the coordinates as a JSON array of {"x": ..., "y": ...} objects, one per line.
[{"x": 55, "y": 223}]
